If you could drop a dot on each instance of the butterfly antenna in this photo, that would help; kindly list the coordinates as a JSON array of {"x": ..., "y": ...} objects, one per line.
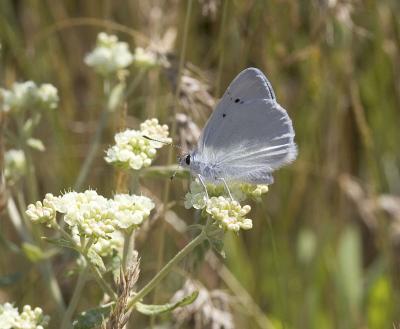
[
  {"x": 162, "y": 142},
  {"x": 166, "y": 143}
]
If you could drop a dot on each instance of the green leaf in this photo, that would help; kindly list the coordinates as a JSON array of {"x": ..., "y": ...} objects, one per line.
[
  {"x": 349, "y": 269},
  {"x": 96, "y": 260},
  {"x": 36, "y": 144},
  {"x": 32, "y": 252},
  {"x": 159, "y": 309},
  {"x": 93, "y": 317},
  {"x": 61, "y": 242}
]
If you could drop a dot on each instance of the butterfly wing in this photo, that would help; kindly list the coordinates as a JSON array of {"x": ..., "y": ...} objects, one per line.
[{"x": 249, "y": 134}]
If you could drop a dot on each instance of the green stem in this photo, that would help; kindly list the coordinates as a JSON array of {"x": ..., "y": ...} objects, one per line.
[
  {"x": 66, "y": 321},
  {"x": 45, "y": 268},
  {"x": 93, "y": 149},
  {"x": 167, "y": 268},
  {"x": 97, "y": 275},
  {"x": 129, "y": 245},
  {"x": 167, "y": 186}
]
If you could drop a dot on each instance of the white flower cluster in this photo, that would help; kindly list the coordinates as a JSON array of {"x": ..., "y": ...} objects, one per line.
[
  {"x": 109, "y": 56},
  {"x": 145, "y": 58},
  {"x": 229, "y": 214},
  {"x": 106, "y": 247},
  {"x": 43, "y": 212},
  {"x": 197, "y": 197},
  {"x": 91, "y": 214},
  {"x": 103, "y": 246},
  {"x": 26, "y": 95},
  {"x": 14, "y": 165},
  {"x": 132, "y": 150},
  {"x": 29, "y": 318}
]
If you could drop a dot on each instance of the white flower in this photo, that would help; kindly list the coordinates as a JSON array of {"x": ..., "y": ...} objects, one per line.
[
  {"x": 26, "y": 95},
  {"x": 91, "y": 213},
  {"x": 132, "y": 150},
  {"x": 14, "y": 165},
  {"x": 21, "y": 96},
  {"x": 106, "y": 247},
  {"x": 8, "y": 316},
  {"x": 197, "y": 197},
  {"x": 131, "y": 210},
  {"x": 145, "y": 58},
  {"x": 29, "y": 318},
  {"x": 110, "y": 55},
  {"x": 153, "y": 129},
  {"x": 48, "y": 96},
  {"x": 45, "y": 212},
  {"x": 229, "y": 214}
]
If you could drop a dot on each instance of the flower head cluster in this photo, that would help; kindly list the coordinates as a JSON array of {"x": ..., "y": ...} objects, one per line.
[
  {"x": 14, "y": 165},
  {"x": 91, "y": 214},
  {"x": 27, "y": 95},
  {"x": 29, "y": 318},
  {"x": 133, "y": 150},
  {"x": 229, "y": 214},
  {"x": 106, "y": 247},
  {"x": 110, "y": 55},
  {"x": 145, "y": 58},
  {"x": 197, "y": 197},
  {"x": 43, "y": 212}
]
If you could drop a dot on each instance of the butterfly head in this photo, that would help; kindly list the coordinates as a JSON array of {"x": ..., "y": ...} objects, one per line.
[{"x": 185, "y": 160}]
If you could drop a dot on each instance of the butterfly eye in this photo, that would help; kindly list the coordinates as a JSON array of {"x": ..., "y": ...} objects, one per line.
[{"x": 187, "y": 160}]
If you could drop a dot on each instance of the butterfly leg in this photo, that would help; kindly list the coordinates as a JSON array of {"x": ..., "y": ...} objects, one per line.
[
  {"x": 204, "y": 185},
  {"x": 226, "y": 187}
]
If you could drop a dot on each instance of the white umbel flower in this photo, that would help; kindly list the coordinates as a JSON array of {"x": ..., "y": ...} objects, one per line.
[
  {"x": 14, "y": 165},
  {"x": 45, "y": 212},
  {"x": 145, "y": 58},
  {"x": 131, "y": 210},
  {"x": 21, "y": 96},
  {"x": 8, "y": 316},
  {"x": 27, "y": 95},
  {"x": 29, "y": 318},
  {"x": 91, "y": 213},
  {"x": 109, "y": 56},
  {"x": 48, "y": 96},
  {"x": 197, "y": 197},
  {"x": 132, "y": 150},
  {"x": 229, "y": 214}
]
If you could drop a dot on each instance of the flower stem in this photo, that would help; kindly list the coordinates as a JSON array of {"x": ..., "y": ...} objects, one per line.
[
  {"x": 167, "y": 186},
  {"x": 93, "y": 149},
  {"x": 167, "y": 268},
  {"x": 66, "y": 321},
  {"x": 97, "y": 275}
]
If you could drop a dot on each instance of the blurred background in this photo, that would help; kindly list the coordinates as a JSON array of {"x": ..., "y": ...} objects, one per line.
[{"x": 324, "y": 248}]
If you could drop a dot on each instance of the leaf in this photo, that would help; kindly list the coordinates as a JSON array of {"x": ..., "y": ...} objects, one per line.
[
  {"x": 165, "y": 308},
  {"x": 7, "y": 280},
  {"x": 93, "y": 317},
  {"x": 116, "y": 96},
  {"x": 60, "y": 242},
  {"x": 96, "y": 260},
  {"x": 36, "y": 144},
  {"x": 349, "y": 270},
  {"x": 32, "y": 252}
]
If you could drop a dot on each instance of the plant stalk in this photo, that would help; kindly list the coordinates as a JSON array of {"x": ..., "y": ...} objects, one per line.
[{"x": 167, "y": 268}]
